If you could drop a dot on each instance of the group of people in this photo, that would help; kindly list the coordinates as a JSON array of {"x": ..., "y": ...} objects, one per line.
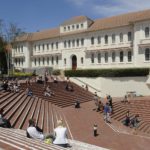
[
  {"x": 59, "y": 137},
  {"x": 48, "y": 91},
  {"x": 107, "y": 109},
  {"x": 11, "y": 85},
  {"x": 132, "y": 122}
]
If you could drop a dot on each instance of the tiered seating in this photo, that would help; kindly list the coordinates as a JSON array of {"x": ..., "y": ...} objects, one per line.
[
  {"x": 62, "y": 97},
  {"x": 19, "y": 108},
  {"x": 136, "y": 106},
  {"x": 11, "y": 139},
  {"x": 16, "y": 139}
]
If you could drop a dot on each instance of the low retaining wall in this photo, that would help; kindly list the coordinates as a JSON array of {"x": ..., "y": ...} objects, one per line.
[{"x": 116, "y": 87}]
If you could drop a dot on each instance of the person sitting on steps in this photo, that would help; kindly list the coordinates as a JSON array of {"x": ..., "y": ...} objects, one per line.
[
  {"x": 60, "y": 135},
  {"x": 5, "y": 123},
  {"x": 35, "y": 132}
]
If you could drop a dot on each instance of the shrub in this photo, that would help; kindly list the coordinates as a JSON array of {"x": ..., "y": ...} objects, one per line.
[
  {"x": 128, "y": 72},
  {"x": 22, "y": 74}
]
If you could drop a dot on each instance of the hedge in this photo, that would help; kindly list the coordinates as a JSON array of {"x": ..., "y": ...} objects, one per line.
[{"x": 128, "y": 72}]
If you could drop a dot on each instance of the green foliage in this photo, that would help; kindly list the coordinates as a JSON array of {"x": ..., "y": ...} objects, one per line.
[
  {"x": 56, "y": 72},
  {"x": 22, "y": 74},
  {"x": 128, "y": 72}
]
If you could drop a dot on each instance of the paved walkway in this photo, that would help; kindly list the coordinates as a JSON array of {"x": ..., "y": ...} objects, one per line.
[{"x": 81, "y": 123}]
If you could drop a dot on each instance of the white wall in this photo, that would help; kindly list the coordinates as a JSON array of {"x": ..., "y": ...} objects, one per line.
[{"x": 117, "y": 87}]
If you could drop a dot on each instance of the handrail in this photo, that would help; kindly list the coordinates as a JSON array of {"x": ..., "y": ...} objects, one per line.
[{"x": 87, "y": 84}]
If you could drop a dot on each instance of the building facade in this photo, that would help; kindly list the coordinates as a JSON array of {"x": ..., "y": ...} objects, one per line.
[{"x": 81, "y": 43}]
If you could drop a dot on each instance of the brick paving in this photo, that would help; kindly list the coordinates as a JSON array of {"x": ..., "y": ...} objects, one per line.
[{"x": 81, "y": 124}]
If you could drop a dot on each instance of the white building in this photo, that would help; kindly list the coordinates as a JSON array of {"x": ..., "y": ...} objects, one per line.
[{"x": 116, "y": 42}]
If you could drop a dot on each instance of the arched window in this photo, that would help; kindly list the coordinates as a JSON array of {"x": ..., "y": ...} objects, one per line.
[
  {"x": 99, "y": 57},
  {"x": 113, "y": 38},
  {"x": 106, "y": 39},
  {"x": 92, "y": 58},
  {"x": 147, "y": 32},
  {"x": 147, "y": 54},
  {"x": 106, "y": 57},
  {"x": 129, "y": 56},
  {"x": 121, "y": 56},
  {"x": 113, "y": 56},
  {"x": 92, "y": 40},
  {"x": 121, "y": 37}
]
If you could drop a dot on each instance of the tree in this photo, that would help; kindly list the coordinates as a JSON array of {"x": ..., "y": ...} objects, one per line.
[
  {"x": 3, "y": 62},
  {"x": 8, "y": 35}
]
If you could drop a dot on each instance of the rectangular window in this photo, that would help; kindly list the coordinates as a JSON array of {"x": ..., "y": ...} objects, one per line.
[
  {"x": 113, "y": 56},
  {"x": 43, "y": 46},
  {"x": 121, "y": 56},
  {"x": 52, "y": 45},
  {"x": 82, "y": 25},
  {"x": 64, "y": 28},
  {"x": 56, "y": 45},
  {"x": 82, "y": 42},
  {"x": 47, "y": 46},
  {"x": 65, "y": 45},
  {"x": 99, "y": 40},
  {"x": 129, "y": 36},
  {"x": 147, "y": 54},
  {"x": 113, "y": 38},
  {"x": 77, "y": 42},
  {"x": 129, "y": 56},
  {"x": 106, "y": 57},
  {"x": 73, "y": 43},
  {"x": 99, "y": 57},
  {"x": 47, "y": 60},
  {"x": 57, "y": 60},
  {"x": 64, "y": 61},
  {"x": 92, "y": 58},
  {"x": 82, "y": 60}
]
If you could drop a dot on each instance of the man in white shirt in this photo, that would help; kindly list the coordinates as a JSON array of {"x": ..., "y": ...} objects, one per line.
[{"x": 35, "y": 132}]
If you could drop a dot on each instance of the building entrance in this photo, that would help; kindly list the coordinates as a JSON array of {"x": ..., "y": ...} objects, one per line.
[{"x": 74, "y": 62}]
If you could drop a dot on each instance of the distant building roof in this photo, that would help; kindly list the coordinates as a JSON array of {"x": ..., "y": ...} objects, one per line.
[
  {"x": 98, "y": 24},
  {"x": 74, "y": 20}
]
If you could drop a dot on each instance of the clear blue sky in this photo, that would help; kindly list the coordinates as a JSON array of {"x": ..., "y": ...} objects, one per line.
[{"x": 33, "y": 15}]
